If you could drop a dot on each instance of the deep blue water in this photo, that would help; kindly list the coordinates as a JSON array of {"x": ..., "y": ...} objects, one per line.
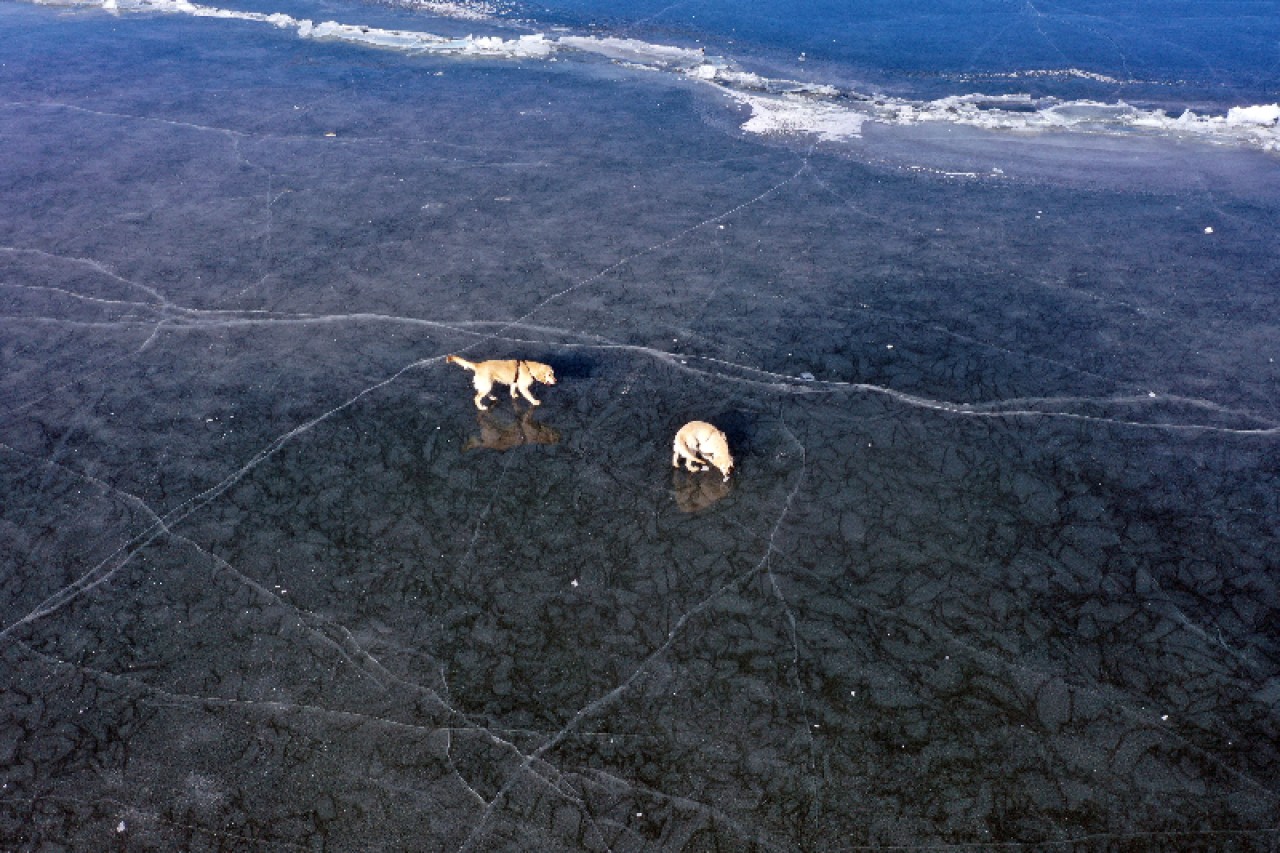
[
  {"x": 983, "y": 296},
  {"x": 1219, "y": 51}
]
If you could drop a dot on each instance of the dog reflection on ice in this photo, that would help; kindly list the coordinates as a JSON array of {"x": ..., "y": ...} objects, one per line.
[
  {"x": 498, "y": 433},
  {"x": 694, "y": 493}
]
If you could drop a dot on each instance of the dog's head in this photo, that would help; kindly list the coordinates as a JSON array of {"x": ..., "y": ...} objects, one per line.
[
  {"x": 720, "y": 458},
  {"x": 542, "y": 372}
]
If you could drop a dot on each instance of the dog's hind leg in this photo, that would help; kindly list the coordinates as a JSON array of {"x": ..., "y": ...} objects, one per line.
[{"x": 692, "y": 460}]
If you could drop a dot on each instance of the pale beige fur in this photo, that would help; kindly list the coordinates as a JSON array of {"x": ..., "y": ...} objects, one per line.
[
  {"x": 517, "y": 373},
  {"x": 700, "y": 444}
]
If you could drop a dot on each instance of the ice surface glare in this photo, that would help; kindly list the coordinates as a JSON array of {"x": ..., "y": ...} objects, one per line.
[{"x": 996, "y": 565}]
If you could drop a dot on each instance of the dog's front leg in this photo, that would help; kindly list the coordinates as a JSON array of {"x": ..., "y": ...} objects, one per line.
[{"x": 524, "y": 392}]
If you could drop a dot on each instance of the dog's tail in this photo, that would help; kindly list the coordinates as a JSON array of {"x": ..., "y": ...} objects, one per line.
[{"x": 453, "y": 359}]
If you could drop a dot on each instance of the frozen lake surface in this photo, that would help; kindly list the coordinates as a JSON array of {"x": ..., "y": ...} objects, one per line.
[{"x": 989, "y": 320}]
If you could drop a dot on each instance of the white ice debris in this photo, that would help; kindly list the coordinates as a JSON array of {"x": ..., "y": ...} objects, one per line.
[
  {"x": 798, "y": 114},
  {"x": 778, "y": 106},
  {"x": 1264, "y": 115},
  {"x": 636, "y": 51}
]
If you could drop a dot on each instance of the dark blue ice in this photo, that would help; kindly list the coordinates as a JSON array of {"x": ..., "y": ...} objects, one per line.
[{"x": 999, "y": 563}]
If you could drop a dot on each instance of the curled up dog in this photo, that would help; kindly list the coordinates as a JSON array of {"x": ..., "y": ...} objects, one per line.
[{"x": 700, "y": 444}]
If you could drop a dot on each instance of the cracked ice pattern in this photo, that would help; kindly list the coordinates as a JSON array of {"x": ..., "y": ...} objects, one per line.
[{"x": 1003, "y": 570}]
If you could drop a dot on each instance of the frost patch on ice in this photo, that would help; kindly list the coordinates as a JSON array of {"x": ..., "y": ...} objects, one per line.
[
  {"x": 531, "y": 46},
  {"x": 184, "y": 7},
  {"x": 636, "y": 51},
  {"x": 796, "y": 114},
  {"x": 719, "y": 72}
]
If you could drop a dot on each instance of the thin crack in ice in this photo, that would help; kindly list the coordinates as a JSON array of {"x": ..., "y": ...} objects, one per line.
[
  {"x": 236, "y": 136},
  {"x": 162, "y": 526},
  {"x": 100, "y": 573},
  {"x": 782, "y": 599},
  {"x": 304, "y": 616},
  {"x": 655, "y": 247},
  {"x": 606, "y": 700},
  {"x": 1114, "y": 697},
  {"x": 160, "y": 298},
  {"x": 158, "y": 697},
  {"x": 483, "y": 515},
  {"x": 187, "y": 320}
]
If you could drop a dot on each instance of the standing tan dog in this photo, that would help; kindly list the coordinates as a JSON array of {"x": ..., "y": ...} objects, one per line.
[
  {"x": 698, "y": 439},
  {"x": 514, "y": 372}
]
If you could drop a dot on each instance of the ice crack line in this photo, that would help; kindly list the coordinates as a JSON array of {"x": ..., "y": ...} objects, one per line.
[
  {"x": 603, "y": 702},
  {"x": 190, "y": 319},
  {"x": 604, "y": 779},
  {"x": 181, "y": 317},
  {"x": 1115, "y": 698},
  {"x": 160, "y": 697},
  {"x": 654, "y": 248},
  {"x": 236, "y": 136},
  {"x": 345, "y": 646},
  {"x": 81, "y": 297},
  {"x": 226, "y": 131},
  {"x": 115, "y": 561},
  {"x": 1017, "y": 407},
  {"x": 95, "y": 265},
  {"x": 782, "y": 599},
  {"x": 982, "y": 410},
  {"x": 484, "y": 514}
]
